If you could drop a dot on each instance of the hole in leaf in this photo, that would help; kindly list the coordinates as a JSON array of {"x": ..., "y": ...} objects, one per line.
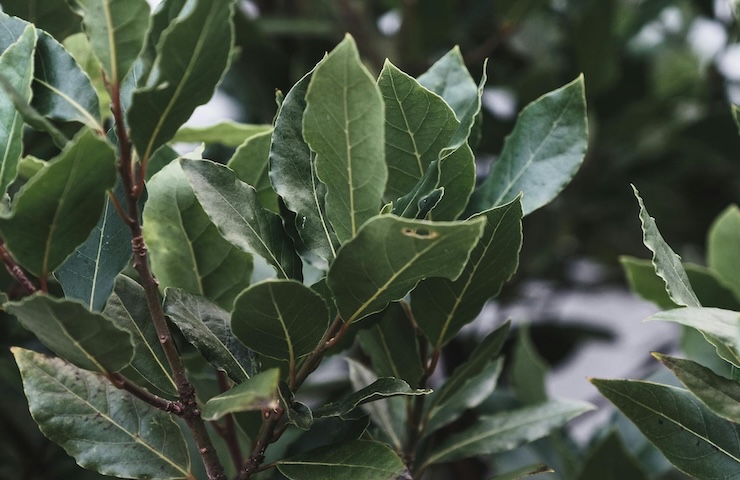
[{"x": 421, "y": 233}]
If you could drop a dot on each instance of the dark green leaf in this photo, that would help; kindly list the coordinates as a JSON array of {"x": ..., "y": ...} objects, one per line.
[
  {"x": 206, "y": 325},
  {"x": 228, "y": 133},
  {"x": 344, "y": 125},
  {"x": 56, "y": 210},
  {"x": 298, "y": 413},
  {"x": 102, "y": 427},
  {"x": 250, "y": 165},
  {"x": 457, "y": 177},
  {"x": 442, "y": 307},
  {"x": 163, "y": 15},
  {"x": 160, "y": 159},
  {"x": 543, "y": 152},
  {"x": 280, "y": 319},
  {"x": 723, "y": 239},
  {"x": 84, "y": 338},
  {"x": 690, "y": 436},
  {"x": 381, "y": 388},
  {"x": 53, "y": 16},
  {"x": 255, "y": 393},
  {"x": 192, "y": 55},
  {"x": 524, "y": 472},
  {"x": 610, "y": 460},
  {"x": 233, "y": 207},
  {"x": 358, "y": 460},
  {"x": 528, "y": 370}
]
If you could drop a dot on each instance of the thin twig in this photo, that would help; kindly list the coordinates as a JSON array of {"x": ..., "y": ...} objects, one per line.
[
  {"x": 15, "y": 270},
  {"x": 123, "y": 383}
]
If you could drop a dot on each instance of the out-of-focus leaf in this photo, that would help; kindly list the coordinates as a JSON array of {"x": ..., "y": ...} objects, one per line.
[
  {"x": 78, "y": 45},
  {"x": 255, "y": 393},
  {"x": 250, "y": 165},
  {"x": 383, "y": 387},
  {"x": 53, "y": 16},
  {"x": 228, "y": 133},
  {"x": 610, "y": 460},
  {"x": 524, "y": 472},
  {"x": 85, "y": 338},
  {"x": 344, "y": 124},
  {"x": 102, "y": 427},
  {"x": 723, "y": 240},
  {"x": 528, "y": 370}
]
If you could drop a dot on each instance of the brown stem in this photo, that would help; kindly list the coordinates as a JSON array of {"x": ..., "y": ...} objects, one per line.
[
  {"x": 228, "y": 429},
  {"x": 15, "y": 270},
  {"x": 120, "y": 381}
]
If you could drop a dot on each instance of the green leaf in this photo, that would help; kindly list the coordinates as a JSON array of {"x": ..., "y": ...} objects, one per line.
[
  {"x": 344, "y": 124},
  {"x": 610, "y": 460},
  {"x": 392, "y": 346},
  {"x": 528, "y": 370},
  {"x": 718, "y": 393},
  {"x": 78, "y": 45},
  {"x": 53, "y": 16},
  {"x": 163, "y": 15},
  {"x": 56, "y": 210},
  {"x": 87, "y": 339},
  {"x": 667, "y": 264},
  {"x": 227, "y": 133},
  {"x": 293, "y": 175},
  {"x": 186, "y": 249},
  {"x": 192, "y": 56},
  {"x": 691, "y": 437},
  {"x": 381, "y": 388},
  {"x": 116, "y": 29},
  {"x": 418, "y": 125},
  {"x": 16, "y": 64},
  {"x": 442, "y": 307},
  {"x": 102, "y": 427},
  {"x": 127, "y": 308},
  {"x": 543, "y": 152},
  {"x": 250, "y": 165},
  {"x": 298, "y": 413},
  {"x": 735, "y": 108},
  {"x": 457, "y": 177},
  {"x": 390, "y": 255},
  {"x": 255, "y": 393},
  {"x": 234, "y": 208},
  {"x": 507, "y": 430},
  {"x": 722, "y": 242},
  {"x": 281, "y": 319},
  {"x": 357, "y": 459},
  {"x": 524, "y": 472},
  {"x": 206, "y": 326}
]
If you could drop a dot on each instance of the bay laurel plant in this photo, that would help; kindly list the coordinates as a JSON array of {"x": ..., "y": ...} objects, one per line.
[{"x": 351, "y": 224}]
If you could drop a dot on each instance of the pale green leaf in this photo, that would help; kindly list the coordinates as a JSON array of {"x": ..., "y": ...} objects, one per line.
[
  {"x": 56, "y": 210},
  {"x": 78, "y": 45},
  {"x": 207, "y": 327},
  {"x": 250, "y": 165},
  {"x": 691, "y": 437},
  {"x": 381, "y": 388},
  {"x": 735, "y": 108},
  {"x": 228, "y": 133},
  {"x": 723, "y": 240},
  {"x": 256, "y": 393},
  {"x": 610, "y": 460},
  {"x": 358, "y": 460},
  {"x": 524, "y": 472},
  {"x": 105, "y": 429},
  {"x": 85, "y": 338},
  {"x": 543, "y": 152},
  {"x": 344, "y": 124}
]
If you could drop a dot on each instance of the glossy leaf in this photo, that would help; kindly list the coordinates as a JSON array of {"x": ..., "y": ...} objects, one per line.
[
  {"x": 185, "y": 247},
  {"x": 358, "y": 460},
  {"x": 192, "y": 55},
  {"x": 256, "y": 393},
  {"x": 293, "y": 175},
  {"x": 344, "y": 124},
  {"x": 102, "y": 427},
  {"x": 206, "y": 326},
  {"x": 691, "y": 437},
  {"x": 228, "y": 133},
  {"x": 507, "y": 430},
  {"x": 543, "y": 152},
  {"x": 723, "y": 239},
  {"x": 610, "y": 460},
  {"x": 127, "y": 308},
  {"x": 16, "y": 65},
  {"x": 117, "y": 29},
  {"x": 234, "y": 208},
  {"x": 297, "y": 413},
  {"x": 87, "y": 339},
  {"x": 383, "y": 387},
  {"x": 524, "y": 472},
  {"x": 56, "y": 210},
  {"x": 250, "y": 165},
  {"x": 720, "y": 394},
  {"x": 442, "y": 307},
  {"x": 280, "y": 319},
  {"x": 390, "y": 255}
]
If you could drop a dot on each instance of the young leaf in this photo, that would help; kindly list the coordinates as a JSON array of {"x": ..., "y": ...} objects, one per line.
[
  {"x": 358, "y": 460},
  {"x": 185, "y": 248},
  {"x": 105, "y": 429},
  {"x": 117, "y": 29},
  {"x": 206, "y": 325},
  {"x": 691, "y": 437},
  {"x": 280, "y": 319},
  {"x": 233, "y": 207},
  {"x": 87, "y": 339},
  {"x": 543, "y": 152},
  {"x": 524, "y": 472},
  {"x": 127, "y": 308},
  {"x": 390, "y": 255},
  {"x": 56, "y": 210},
  {"x": 610, "y": 460},
  {"x": 16, "y": 65},
  {"x": 250, "y": 165},
  {"x": 381, "y": 388},
  {"x": 344, "y": 124},
  {"x": 255, "y": 393},
  {"x": 192, "y": 56},
  {"x": 507, "y": 430},
  {"x": 293, "y": 174},
  {"x": 724, "y": 236},
  {"x": 442, "y": 307},
  {"x": 228, "y": 133},
  {"x": 718, "y": 393}
]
